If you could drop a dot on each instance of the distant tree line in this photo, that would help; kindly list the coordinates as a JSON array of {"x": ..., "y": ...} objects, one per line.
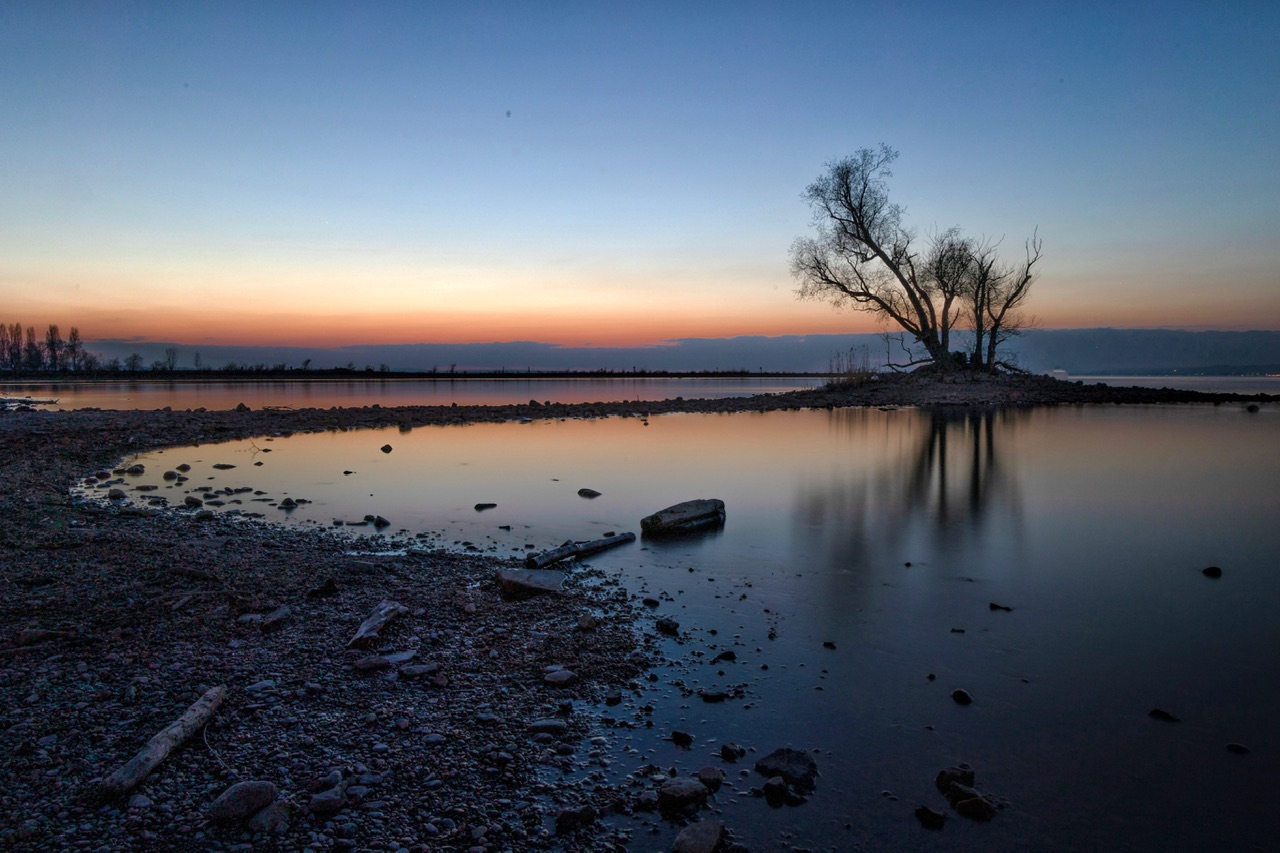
[{"x": 26, "y": 351}]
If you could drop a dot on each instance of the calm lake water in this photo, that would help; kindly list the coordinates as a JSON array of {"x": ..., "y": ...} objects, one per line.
[
  {"x": 889, "y": 534},
  {"x": 313, "y": 393},
  {"x": 323, "y": 393}
]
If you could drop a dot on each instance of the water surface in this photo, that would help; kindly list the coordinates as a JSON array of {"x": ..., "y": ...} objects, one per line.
[
  {"x": 889, "y": 534},
  {"x": 323, "y": 393}
]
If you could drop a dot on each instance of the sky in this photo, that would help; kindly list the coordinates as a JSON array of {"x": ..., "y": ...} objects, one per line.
[{"x": 615, "y": 174}]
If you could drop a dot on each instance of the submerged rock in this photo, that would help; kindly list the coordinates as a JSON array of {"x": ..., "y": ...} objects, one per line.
[
  {"x": 794, "y": 766},
  {"x": 679, "y": 794}
]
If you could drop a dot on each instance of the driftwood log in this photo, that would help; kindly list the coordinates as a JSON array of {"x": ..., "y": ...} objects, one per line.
[
  {"x": 576, "y": 549},
  {"x": 369, "y": 628},
  {"x": 133, "y": 771}
]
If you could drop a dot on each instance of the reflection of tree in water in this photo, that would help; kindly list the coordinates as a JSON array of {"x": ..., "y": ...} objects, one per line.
[{"x": 940, "y": 472}]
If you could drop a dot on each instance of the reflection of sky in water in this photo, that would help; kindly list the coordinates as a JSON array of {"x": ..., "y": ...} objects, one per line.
[
  {"x": 1091, "y": 522},
  {"x": 323, "y": 393}
]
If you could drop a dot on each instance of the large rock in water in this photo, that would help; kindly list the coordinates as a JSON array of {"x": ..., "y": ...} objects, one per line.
[
  {"x": 795, "y": 766},
  {"x": 685, "y": 517}
]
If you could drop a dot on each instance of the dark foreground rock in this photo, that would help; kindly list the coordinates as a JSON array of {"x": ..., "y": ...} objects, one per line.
[
  {"x": 794, "y": 766},
  {"x": 113, "y": 623}
]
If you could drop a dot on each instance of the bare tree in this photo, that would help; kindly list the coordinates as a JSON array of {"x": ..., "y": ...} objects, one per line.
[
  {"x": 170, "y": 358},
  {"x": 197, "y": 361},
  {"x": 1002, "y": 300},
  {"x": 133, "y": 363},
  {"x": 4, "y": 346},
  {"x": 864, "y": 257}
]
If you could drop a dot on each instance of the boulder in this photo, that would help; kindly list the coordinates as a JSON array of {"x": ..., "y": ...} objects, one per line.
[
  {"x": 705, "y": 836},
  {"x": 570, "y": 818},
  {"x": 712, "y": 777},
  {"x": 685, "y": 517},
  {"x": 793, "y": 765},
  {"x": 560, "y": 677},
  {"x": 242, "y": 801},
  {"x": 522, "y": 583},
  {"x": 679, "y": 794}
]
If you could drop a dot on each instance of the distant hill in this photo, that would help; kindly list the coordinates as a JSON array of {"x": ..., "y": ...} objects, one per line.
[
  {"x": 1078, "y": 351},
  {"x": 1149, "y": 351}
]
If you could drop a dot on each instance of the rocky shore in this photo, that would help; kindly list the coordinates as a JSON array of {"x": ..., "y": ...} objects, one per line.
[{"x": 470, "y": 721}]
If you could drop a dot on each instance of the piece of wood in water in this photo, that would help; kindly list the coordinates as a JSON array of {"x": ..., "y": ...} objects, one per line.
[{"x": 576, "y": 549}]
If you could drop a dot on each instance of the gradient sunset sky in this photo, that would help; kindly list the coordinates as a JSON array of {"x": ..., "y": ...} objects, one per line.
[{"x": 325, "y": 174}]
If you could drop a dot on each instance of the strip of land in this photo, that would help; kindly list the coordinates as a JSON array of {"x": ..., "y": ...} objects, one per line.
[{"x": 432, "y": 735}]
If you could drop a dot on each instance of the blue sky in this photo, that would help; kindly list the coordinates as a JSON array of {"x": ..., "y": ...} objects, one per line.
[{"x": 591, "y": 174}]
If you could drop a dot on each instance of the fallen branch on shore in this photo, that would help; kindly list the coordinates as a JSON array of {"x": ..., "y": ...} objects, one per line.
[
  {"x": 133, "y": 771},
  {"x": 576, "y": 549},
  {"x": 382, "y": 614}
]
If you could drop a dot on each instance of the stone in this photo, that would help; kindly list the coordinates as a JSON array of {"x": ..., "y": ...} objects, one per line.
[
  {"x": 549, "y": 726},
  {"x": 1211, "y": 572},
  {"x": 699, "y": 514},
  {"x": 588, "y": 493},
  {"x": 1238, "y": 749},
  {"x": 483, "y": 506},
  {"x": 775, "y": 790},
  {"x": 193, "y": 501},
  {"x": 704, "y": 836},
  {"x": 667, "y": 625},
  {"x": 975, "y": 808},
  {"x": 930, "y": 819},
  {"x": 329, "y": 802},
  {"x": 417, "y": 670},
  {"x": 242, "y": 800},
  {"x": 961, "y": 697},
  {"x": 712, "y": 777},
  {"x": 273, "y": 819},
  {"x": 680, "y": 738},
  {"x": 386, "y": 448},
  {"x": 795, "y": 766},
  {"x": 681, "y": 793},
  {"x": 522, "y": 583},
  {"x": 560, "y": 678},
  {"x": 117, "y": 494},
  {"x": 1161, "y": 714},
  {"x": 273, "y": 620},
  {"x": 570, "y": 818},
  {"x": 731, "y": 752},
  {"x": 961, "y": 774}
]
